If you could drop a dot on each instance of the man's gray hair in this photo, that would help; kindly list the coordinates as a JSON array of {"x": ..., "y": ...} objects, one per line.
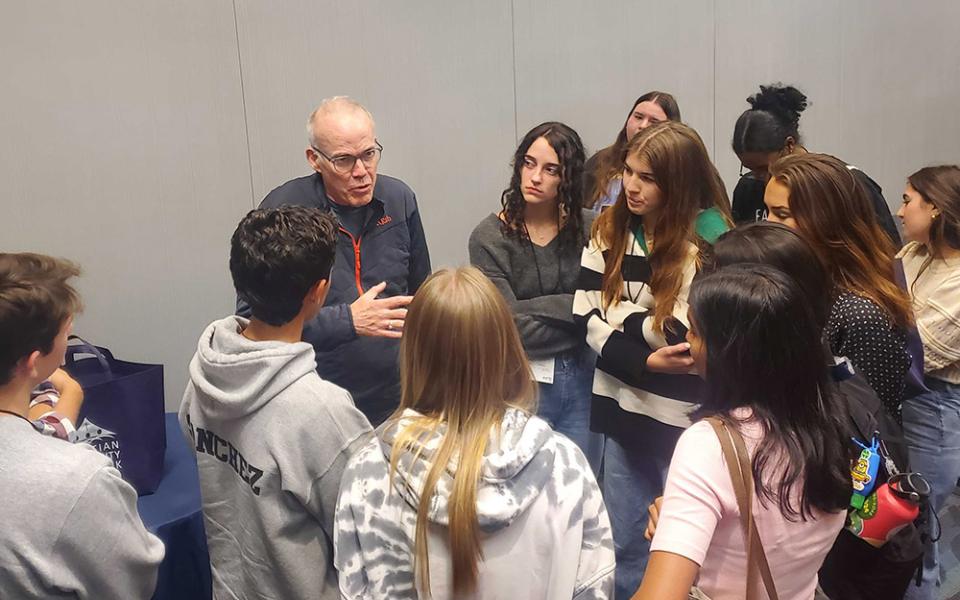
[{"x": 333, "y": 105}]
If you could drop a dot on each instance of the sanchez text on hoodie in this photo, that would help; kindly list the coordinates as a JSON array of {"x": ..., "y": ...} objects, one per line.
[{"x": 272, "y": 440}]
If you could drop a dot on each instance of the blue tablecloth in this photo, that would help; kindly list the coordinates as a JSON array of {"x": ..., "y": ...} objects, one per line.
[{"x": 174, "y": 514}]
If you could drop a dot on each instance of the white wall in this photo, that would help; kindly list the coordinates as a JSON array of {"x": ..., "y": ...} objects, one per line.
[
  {"x": 883, "y": 79},
  {"x": 133, "y": 136},
  {"x": 123, "y": 147}
]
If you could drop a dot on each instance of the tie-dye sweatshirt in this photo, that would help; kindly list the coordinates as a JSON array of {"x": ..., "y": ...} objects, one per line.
[{"x": 545, "y": 532}]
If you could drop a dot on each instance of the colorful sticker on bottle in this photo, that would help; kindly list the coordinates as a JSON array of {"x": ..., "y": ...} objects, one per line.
[{"x": 864, "y": 473}]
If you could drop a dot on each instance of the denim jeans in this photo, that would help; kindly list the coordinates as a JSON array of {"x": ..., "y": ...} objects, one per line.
[
  {"x": 634, "y": 473},
  {"x": 931, "y": 426},
  {"x": 565, "y": 403}
]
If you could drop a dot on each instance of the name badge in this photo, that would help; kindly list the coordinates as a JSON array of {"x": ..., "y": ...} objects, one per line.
[{"x": 542, "y": 370}]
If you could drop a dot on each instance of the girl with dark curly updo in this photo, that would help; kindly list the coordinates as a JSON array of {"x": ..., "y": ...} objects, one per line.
[{"x": 770, "y": 130}]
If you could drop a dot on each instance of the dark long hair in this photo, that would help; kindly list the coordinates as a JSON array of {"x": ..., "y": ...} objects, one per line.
[
  {"x": 566, "y": 143},
  {"x": 835, "y": 216},
  {"x": 773, "y": 116},
  {"x": 940, "y": 186},
  {"x": 609, "y": 161},
  {"x": 780, "y": 247},
  {"x": 764, "y": 352}
]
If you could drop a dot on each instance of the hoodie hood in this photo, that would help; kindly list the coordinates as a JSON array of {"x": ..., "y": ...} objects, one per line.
[
  {"x": 517, "y": 466},
  {"x": 235, "y": 376}
]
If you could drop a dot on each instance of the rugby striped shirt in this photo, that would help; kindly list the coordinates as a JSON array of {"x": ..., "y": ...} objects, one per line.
[{"x": 623, "y": 336}]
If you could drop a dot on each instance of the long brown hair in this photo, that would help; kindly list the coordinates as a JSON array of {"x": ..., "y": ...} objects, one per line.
[
  {"x": 609, "y": 162},
  {"x": 689, "y": 183},
  {"x": 835, "y": 216},
  {"x": 461, "y": 366}
]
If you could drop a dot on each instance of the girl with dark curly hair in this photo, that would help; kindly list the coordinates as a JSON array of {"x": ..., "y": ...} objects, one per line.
[{"x": 531, "y": 251}]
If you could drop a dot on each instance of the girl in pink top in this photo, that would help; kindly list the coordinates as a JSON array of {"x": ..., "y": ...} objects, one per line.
[{"x": 756, "y": 340}]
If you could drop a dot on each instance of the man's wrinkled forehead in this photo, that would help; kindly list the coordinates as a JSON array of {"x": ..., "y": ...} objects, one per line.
[{"x": 346, "y": 129}]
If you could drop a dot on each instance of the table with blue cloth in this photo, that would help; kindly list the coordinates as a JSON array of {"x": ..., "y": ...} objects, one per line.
[{"x": 175, "y": 515}]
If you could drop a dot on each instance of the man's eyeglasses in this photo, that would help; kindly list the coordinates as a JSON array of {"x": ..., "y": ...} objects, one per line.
[{"x": 344, "y": 163}]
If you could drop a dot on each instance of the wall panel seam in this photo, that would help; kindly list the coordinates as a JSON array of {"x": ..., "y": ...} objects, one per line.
[
  {"x": 243, "y": 103},
  {"x": 716, "y": 157},
  {"x": 513, "y": 52}
]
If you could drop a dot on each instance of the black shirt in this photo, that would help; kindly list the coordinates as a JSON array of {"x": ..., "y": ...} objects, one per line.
[
  {"x": 748, "y": 203},
  {"x": 351, "y": 218}
]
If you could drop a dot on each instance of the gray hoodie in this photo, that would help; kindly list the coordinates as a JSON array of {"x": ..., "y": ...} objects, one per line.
[
  {"x": 272, "y": 440},
  {"x": 545, "y": 531}
]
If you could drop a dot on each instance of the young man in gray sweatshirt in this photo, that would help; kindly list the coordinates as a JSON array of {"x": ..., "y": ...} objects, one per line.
[
  {"x": 70, "y": 523},
  {"x": 271, "y": 437}
]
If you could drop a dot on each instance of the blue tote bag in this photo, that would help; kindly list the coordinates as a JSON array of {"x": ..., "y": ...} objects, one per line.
[{"x": 122, "y": 413}]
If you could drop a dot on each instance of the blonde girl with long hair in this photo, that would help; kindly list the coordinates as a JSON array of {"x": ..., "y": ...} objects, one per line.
[
  {"x": 464, "y": 492},
  {"x": 632, "y": 298}
]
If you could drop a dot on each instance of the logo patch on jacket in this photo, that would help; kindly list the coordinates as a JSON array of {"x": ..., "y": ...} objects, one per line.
[{"x": 384, "y": 220}]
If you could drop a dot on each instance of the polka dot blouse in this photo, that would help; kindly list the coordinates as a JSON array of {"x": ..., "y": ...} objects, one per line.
[{"x": 861, "y": 331}]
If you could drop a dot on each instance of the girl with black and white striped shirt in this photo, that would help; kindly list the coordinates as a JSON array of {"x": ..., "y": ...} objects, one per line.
[{"x": 635, "y": 274}]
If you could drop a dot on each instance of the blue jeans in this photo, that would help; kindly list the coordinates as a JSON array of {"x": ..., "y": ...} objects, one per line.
[
  {"x": 634, "y": 472},
  {"x": 565, "y": 403},
  {"x": 931, "y": 426}
]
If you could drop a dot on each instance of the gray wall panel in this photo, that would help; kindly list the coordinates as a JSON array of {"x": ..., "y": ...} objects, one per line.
[
  {"x": 437, "y": 77},
  {"x": 882, "y": 78},
  {"x": 124, "y": 150},
  {"x": 585, "y": 63},
  {"x": 900, "y": 84},
  {"x": 762, "y": 42}
]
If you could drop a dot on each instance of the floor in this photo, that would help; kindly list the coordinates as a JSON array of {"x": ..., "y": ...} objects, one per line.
[{"x": 950, "y": 547}]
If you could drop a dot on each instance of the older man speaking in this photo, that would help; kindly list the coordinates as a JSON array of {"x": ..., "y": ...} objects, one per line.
[{"x": 382, "y": 255}]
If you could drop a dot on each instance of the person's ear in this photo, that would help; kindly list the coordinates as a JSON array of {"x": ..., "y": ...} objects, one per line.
[
  {"x": 313, "y": 158},
  {"x": 27, "y": 366},
  {"x": 789, "y": 145},
  {"x": 317, "y": 294}
]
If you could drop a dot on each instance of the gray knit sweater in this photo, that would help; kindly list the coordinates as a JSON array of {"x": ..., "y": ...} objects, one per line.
[{"x": 542, "y": 305}]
